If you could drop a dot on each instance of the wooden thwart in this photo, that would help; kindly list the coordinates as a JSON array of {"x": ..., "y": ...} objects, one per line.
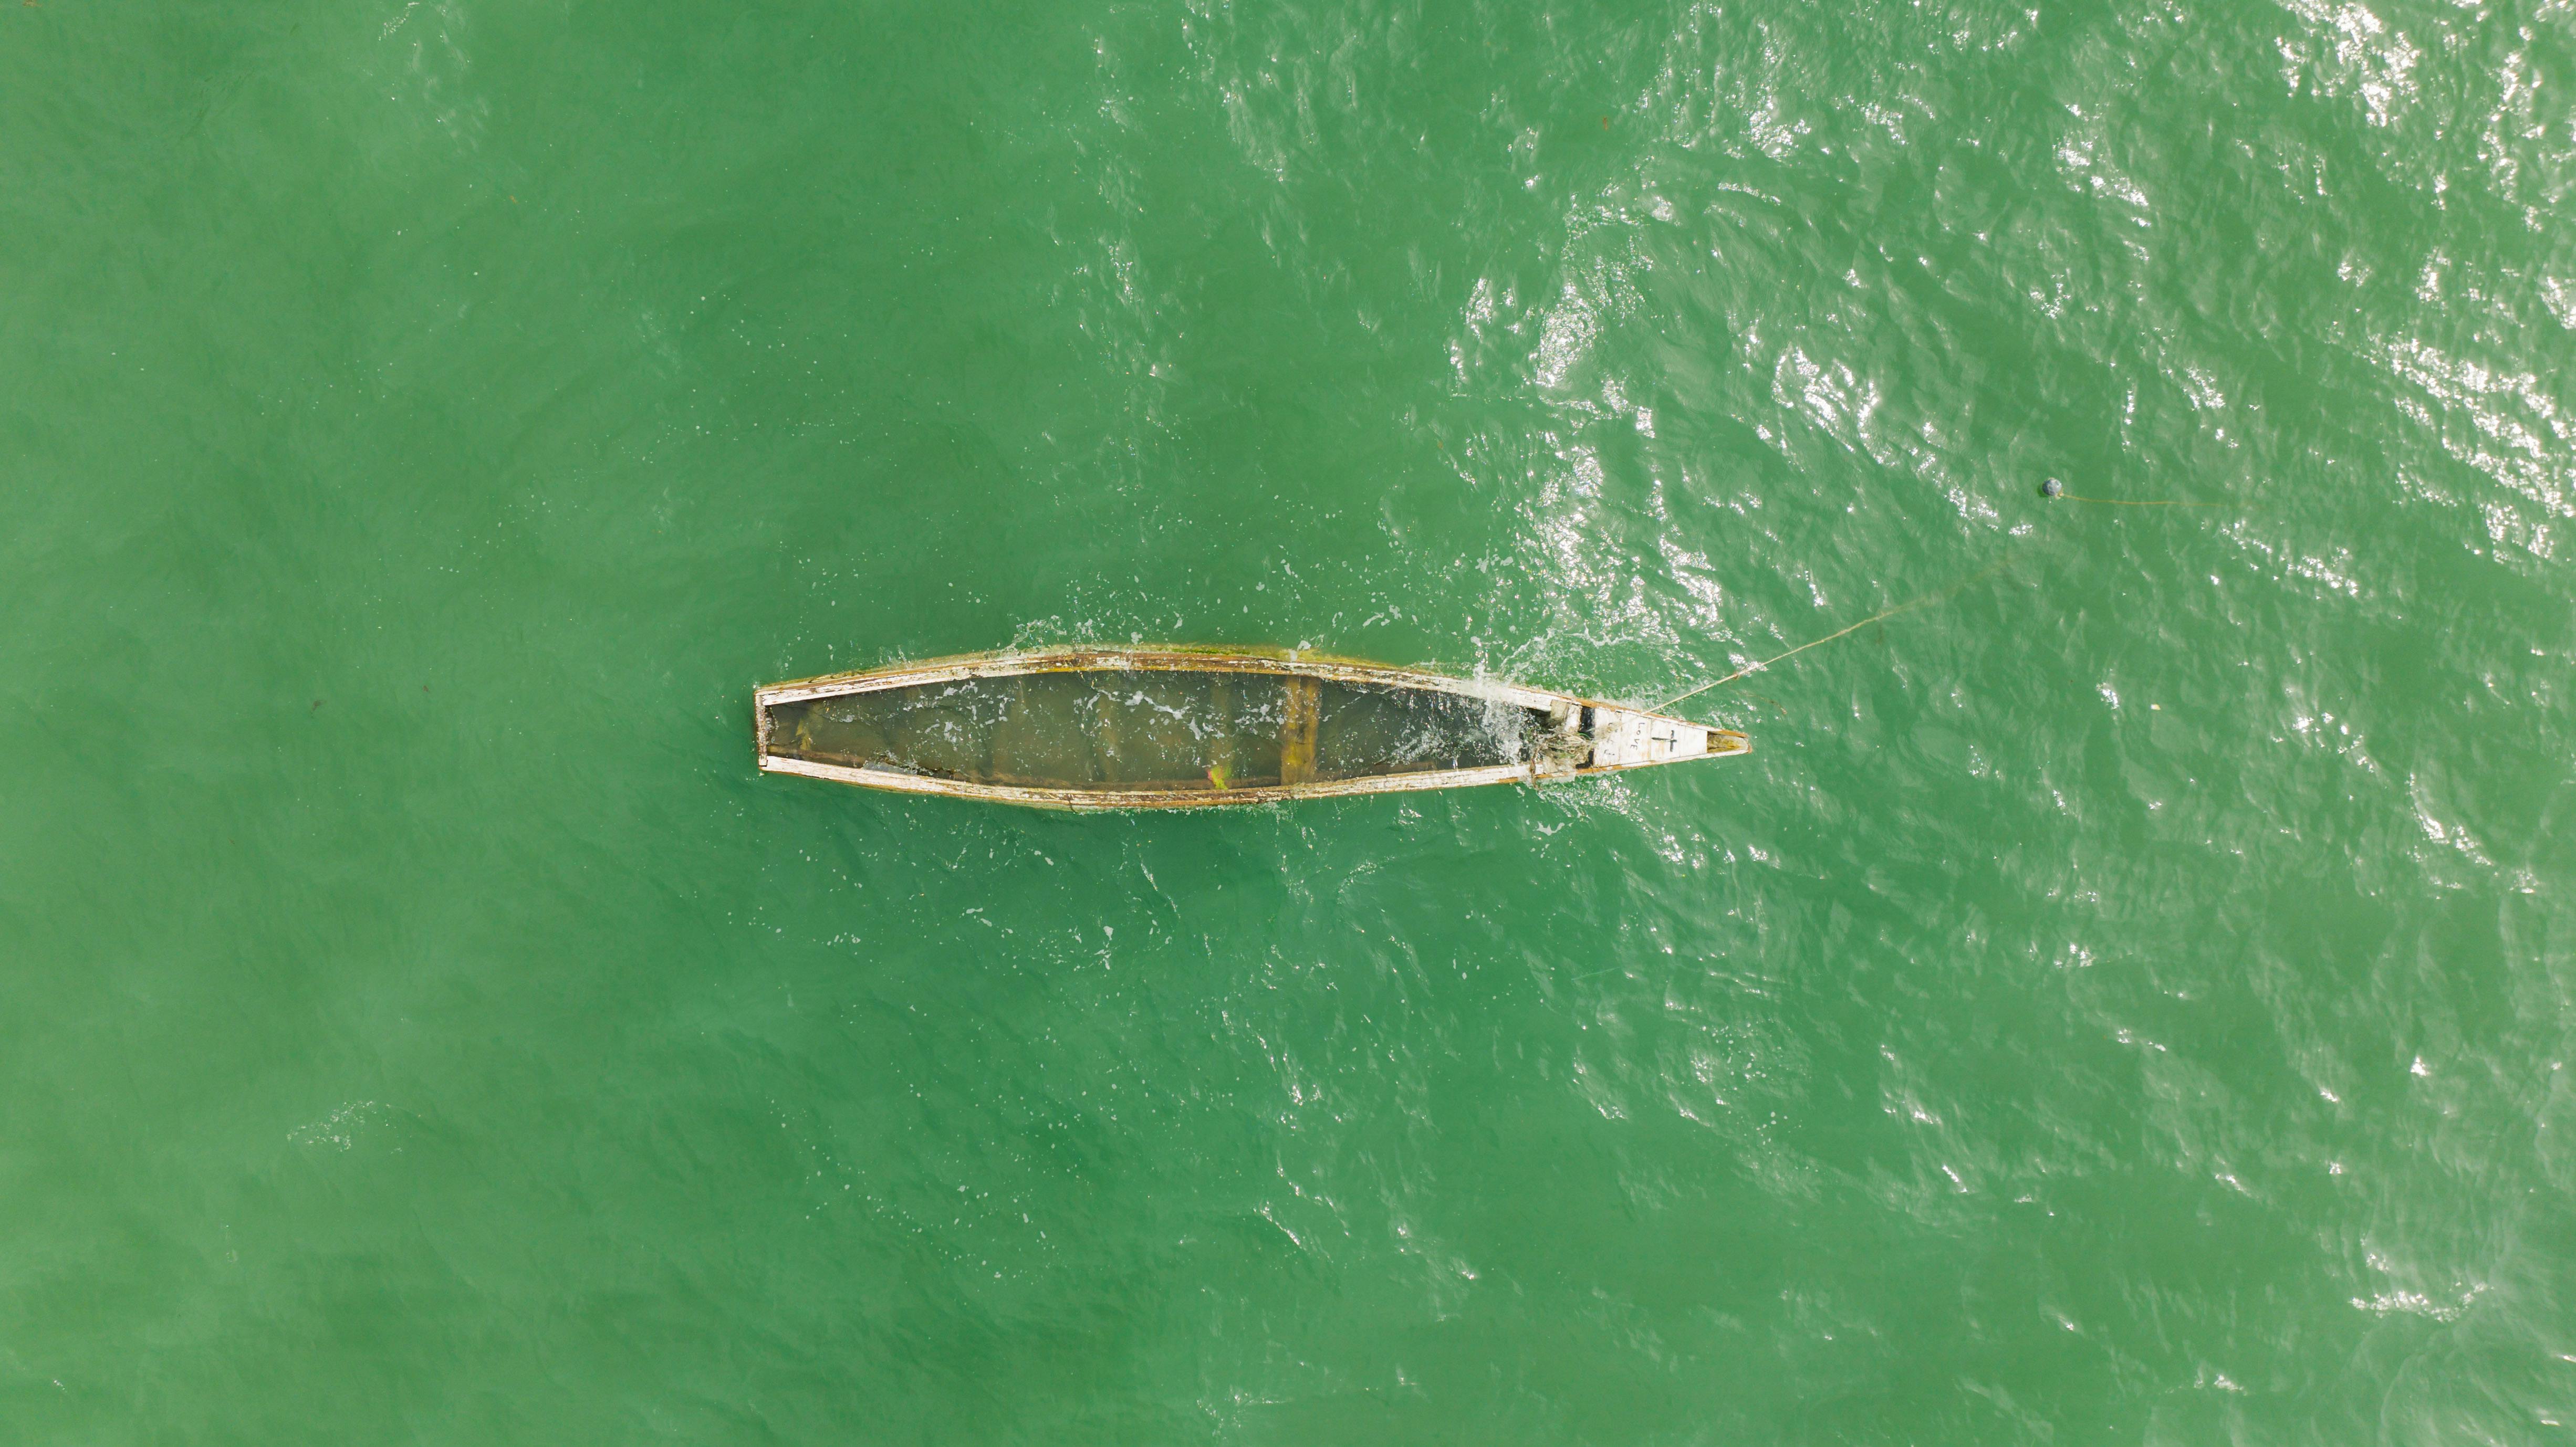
[{"x": 1297, "y": 734}]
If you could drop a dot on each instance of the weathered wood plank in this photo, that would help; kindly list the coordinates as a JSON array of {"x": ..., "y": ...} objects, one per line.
[{"x": 1297, "y": 735}]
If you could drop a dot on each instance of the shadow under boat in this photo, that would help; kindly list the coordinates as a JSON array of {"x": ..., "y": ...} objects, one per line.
[{"x": 1175, "y": 727}]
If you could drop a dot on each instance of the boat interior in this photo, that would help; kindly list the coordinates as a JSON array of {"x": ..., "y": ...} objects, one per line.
[{"x": 1158, "y": 730}]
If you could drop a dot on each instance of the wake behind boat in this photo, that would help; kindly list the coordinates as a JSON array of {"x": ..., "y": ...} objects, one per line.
[{"x": 1153, "y": 727}]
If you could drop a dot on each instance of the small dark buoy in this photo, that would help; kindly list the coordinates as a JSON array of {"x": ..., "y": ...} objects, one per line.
[{"x": 2051, "y": 488}]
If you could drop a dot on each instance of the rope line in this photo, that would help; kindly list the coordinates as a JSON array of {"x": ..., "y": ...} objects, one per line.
[
  {"x": 1926, "y": 599},
  {"x": 2133, "y": 502}
]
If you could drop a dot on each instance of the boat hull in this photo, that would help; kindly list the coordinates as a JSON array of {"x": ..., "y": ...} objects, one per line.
[{"x": 1159, "y": 727}]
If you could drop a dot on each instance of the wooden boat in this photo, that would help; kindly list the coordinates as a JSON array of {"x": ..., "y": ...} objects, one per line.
[{"x": 1176, "y": 727}]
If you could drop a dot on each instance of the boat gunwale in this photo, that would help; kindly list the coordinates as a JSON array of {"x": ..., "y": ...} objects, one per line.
[
  {"x": 1161, "y": 658},
  {"x": 1106, "y": 799}
]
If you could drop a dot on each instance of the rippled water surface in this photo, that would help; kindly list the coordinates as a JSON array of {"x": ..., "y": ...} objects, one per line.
[{"x": 2124, "y": 1000}]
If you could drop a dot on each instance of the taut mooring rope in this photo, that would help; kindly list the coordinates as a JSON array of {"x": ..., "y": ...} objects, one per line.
[
  {"x": 2135, "y": 501},
  {"x": 2056, "y": 491},
  {"x": 1926, "y": 599}
]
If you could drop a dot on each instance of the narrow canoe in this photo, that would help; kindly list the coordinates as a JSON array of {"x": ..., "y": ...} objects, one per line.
[{"x": 1155, "y": 727}]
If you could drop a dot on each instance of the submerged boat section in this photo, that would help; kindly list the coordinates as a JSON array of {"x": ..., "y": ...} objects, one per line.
[{"x": 1162, "y": 727}]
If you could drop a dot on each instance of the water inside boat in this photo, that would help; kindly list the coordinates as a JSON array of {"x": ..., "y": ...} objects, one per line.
[{"x": 1153, "y": 729}]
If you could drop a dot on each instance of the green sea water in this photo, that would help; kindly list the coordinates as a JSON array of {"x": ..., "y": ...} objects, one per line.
[{"x": 2125, "y": 1000}]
